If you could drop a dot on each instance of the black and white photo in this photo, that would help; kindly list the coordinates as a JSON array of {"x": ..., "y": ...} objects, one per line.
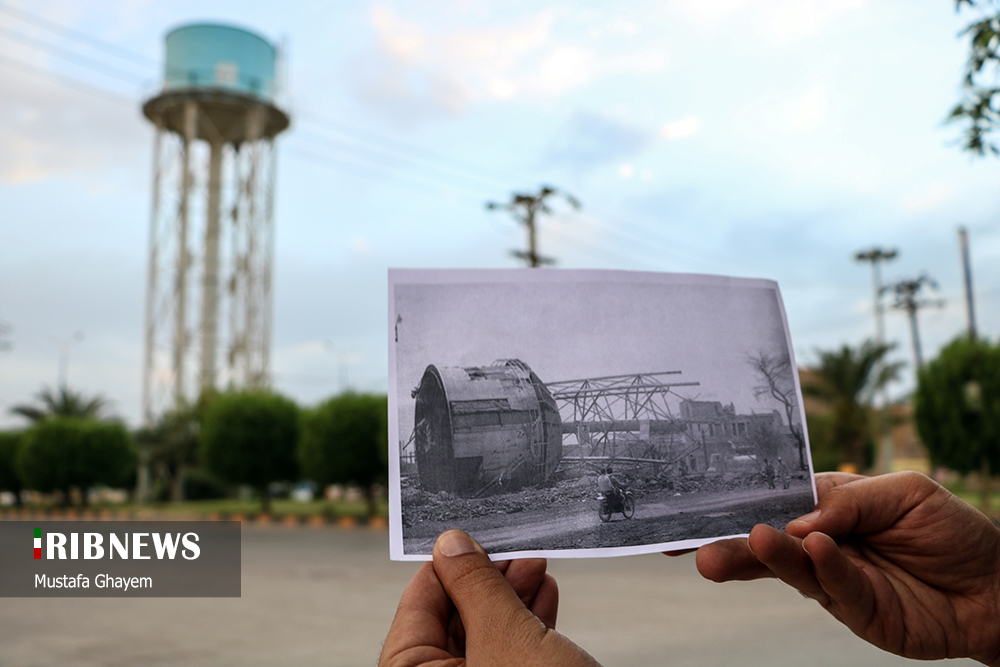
[{"x": 571, "y": 413}]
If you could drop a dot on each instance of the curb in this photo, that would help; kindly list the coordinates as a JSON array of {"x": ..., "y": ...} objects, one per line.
[{"x": 256, "y": 518}]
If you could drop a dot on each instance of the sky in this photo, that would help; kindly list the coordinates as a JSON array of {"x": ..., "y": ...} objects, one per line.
[{"x": 769, "y": 139}]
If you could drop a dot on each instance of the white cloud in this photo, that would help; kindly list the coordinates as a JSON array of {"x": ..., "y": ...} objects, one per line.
[
  {"x": 403, "y": 41},
  {"x": 47, "y": 129},
  {"x": 710, "y": 13},
  {"x": 796, "y": 19},
  {"x": 417, "y": 69},
  {"x": 624, "y": 27},
  {"x": 680, "y": 128},
  {"x": 360, "y": 246},
  {"x": 777, "y": 21},
  {"x": 626, "y": 170}
]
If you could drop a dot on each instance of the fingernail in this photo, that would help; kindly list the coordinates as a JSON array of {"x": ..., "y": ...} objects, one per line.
[
  {"x": 808, "y": 518},
  {"x": 455, "y": 543}
]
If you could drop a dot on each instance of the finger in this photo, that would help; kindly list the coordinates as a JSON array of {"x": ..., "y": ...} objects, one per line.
[
  {"x": 730, "y": 560},
  {"x": 865, "y": 506},
  {"x": 491, "y": 611},
  {"x": 546, "y": 603},
  {"x": 525, "y": 577},
  {"x": 418, "y": 631},
  {"x": 851, "y": 595},
  {"x": 827, "y": 481},
  {"x": 456, "y": 629},
  {"x": 680, "y": 552},
  {"x": 784, "y": 557}
]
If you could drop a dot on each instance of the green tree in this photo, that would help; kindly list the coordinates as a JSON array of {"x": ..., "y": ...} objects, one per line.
[
  {"x": 346, "y": 440},
  {"x": 64, "y": 402},
  {"x": 108, "y": 456},
  {"x": 171, "y": 446},
  {"x": 59, "y": 453},
  {"x": 979, "y": 108},
  {"x": 957, "y": 408},
  {"x": 250, "y": 437},
  {"x": 825, "y": 454},
  {"x": 848, "y": 379},
  {"x": 10, "y": 476}
]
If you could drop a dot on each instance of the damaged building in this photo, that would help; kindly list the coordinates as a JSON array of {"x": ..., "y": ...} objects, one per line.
[
  {"x": 728, "y": 439},
  {"x": 484, "y": 429}
]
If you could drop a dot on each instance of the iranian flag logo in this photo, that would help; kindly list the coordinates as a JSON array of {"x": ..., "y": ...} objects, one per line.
[{"x": 38, "y": 543}]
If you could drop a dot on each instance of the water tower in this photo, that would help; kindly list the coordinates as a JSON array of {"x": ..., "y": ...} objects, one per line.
[{"x": 208, "y": 299}]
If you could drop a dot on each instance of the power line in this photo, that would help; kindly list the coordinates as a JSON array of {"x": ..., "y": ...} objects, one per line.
[
  {"x": 351, "y": 169},
  {"x": 371, "y": 145},
  {"x": 69, "y": 82},
  {"x": 833, "y": 322},
  {"x": 642, "y": 236},
  {"x": 76, "y": 35},
  {"x": 385, "y": 161},
  {"x": 604, "y": 251},
  {"x": 75, "y": 84},
  {"x": 421, "y": 153},
  {"x": 70, "y": 56},
  {"x": 361, "y": 147},
  {"x": 99, "y": 92},
  {"x": 643, "y": 239},
  {"x": 379, "y": 145}
]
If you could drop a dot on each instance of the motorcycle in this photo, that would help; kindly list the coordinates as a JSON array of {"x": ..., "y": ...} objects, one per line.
[{"x": 622, "y": 503}]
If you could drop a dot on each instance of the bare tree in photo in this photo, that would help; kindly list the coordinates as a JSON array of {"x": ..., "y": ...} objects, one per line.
[{"x": 777, "y": 381}]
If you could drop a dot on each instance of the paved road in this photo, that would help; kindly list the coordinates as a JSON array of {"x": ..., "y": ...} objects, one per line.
[{"x": 326, "y": 597}]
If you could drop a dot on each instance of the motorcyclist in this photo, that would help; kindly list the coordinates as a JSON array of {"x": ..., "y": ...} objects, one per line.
[{"x": 609, "y": 486}]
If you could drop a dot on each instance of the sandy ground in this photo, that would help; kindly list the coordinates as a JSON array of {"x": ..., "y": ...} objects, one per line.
[{"x": 327, "y": 596}]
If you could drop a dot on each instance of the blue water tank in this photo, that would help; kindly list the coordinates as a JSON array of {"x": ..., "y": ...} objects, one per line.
[{"x": 213, "y": 56}]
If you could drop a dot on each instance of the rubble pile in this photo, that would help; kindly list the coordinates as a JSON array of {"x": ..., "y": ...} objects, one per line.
[{"x": 419, "y": 505}]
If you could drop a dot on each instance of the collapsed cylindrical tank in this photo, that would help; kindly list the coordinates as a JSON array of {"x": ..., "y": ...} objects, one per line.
[{"x": 485, "y": 429}]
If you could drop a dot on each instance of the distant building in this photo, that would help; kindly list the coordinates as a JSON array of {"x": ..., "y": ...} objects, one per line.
[{"x": 724, "y": 435}]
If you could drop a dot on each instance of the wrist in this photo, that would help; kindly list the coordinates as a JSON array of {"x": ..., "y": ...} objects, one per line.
[{"x": 992, "y": 655}]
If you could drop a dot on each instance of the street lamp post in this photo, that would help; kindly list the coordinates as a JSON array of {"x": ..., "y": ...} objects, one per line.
[{"x": 64, "y": 348}]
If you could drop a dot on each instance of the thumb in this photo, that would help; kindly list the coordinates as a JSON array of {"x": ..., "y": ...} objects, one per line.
[
  {"x": 491, "y": 611},
  {"x": 866, "y": 505}
]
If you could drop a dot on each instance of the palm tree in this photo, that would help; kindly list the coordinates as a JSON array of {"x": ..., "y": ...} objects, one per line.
[
  {"x": 172, "y": 445},
  {"x": 62, "y": 403},
  {"x": 848, "y": 380}
]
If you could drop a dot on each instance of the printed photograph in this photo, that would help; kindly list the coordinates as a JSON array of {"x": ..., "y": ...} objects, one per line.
[{"x": 573, "y": 413}]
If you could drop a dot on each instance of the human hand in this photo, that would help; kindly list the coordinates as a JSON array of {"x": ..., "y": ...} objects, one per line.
[
  {"x": 898, "y": 559},
  {"x": 463, "y": 609}
]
